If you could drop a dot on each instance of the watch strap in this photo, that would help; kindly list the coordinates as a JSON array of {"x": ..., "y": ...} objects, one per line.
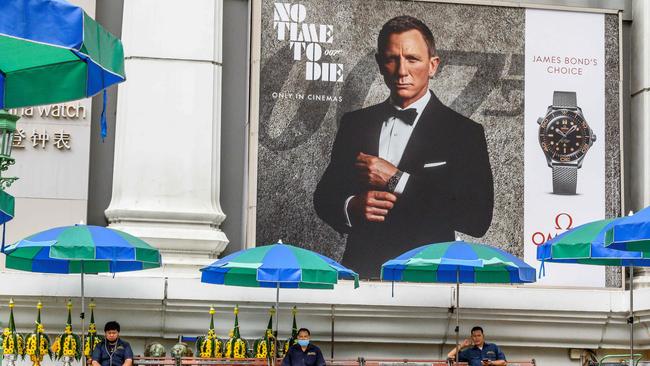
[
  {"x": 393, "y": 181},
  {"x": 564, "y": 99},
  {"x": 565, "y": 179}
]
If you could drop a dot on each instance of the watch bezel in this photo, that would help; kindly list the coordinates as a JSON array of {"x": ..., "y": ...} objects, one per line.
[{"x": 549, "y": 119}]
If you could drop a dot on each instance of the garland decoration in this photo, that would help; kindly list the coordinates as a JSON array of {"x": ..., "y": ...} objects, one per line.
[
  {"x": 236, "y": 346},
  {"x": 37, "y": 344},
  {"x": 12, "y": 342},
  {"x": 92, "y": 338},
  {"x": 67, "y": 344},
  {"x": 294, "y": 333},
  {"x": 265, "y": 346},
  {"x": 209, "y": 346}
]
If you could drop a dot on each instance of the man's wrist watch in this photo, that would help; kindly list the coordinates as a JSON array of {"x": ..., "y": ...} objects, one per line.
[
  {"x": 392, "y": 181},
  {"x": 565, "y": 138}
]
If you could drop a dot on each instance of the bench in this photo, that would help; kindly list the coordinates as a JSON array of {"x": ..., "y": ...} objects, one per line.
[
  {"x": 423, "y": 362},
  {"x": 196, "y": 361}
]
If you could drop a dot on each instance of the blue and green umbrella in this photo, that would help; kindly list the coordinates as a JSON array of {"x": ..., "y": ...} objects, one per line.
[
  {"x": 277, "y": 266},
  {"x": 81, "y": 249},
  {"x": 457, "y": 262},
  {"x": 630, "y": 233},
  {"x": 585, "y": 244},
  {"x": 53, "y": 52},
  {"x": 7, "y": 204}
]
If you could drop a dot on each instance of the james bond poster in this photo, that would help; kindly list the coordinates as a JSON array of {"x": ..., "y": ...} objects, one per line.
[{"x": 386, "y": 125}]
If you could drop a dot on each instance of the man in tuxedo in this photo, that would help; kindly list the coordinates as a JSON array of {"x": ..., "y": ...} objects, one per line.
[{"x": 409, "y": 171}]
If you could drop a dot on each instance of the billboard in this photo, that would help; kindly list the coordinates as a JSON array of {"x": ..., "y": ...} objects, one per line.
[{"x": 344, "y": 168}]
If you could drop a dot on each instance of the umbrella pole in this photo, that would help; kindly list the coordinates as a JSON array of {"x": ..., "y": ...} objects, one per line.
[
  {"x": 457, "y": 330},
  {"x": 82, "y": 316},
  {"x": 630, "y": 320},
  {"x": 277, "y": 317},
  {"x": 332, "y": 334}
]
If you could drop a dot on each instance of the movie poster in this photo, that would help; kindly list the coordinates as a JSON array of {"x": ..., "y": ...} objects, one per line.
[{"x": 338, "y": 118}]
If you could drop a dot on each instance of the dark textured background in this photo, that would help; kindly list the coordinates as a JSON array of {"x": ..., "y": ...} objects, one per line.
[{"x": 481, "y": 76}]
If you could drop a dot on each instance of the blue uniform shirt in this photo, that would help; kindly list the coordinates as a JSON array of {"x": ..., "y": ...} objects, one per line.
[
  {"x": 474, "y": 355},
  {"x": 312, "y": 356},
  {"x": 108, "y": 354}
]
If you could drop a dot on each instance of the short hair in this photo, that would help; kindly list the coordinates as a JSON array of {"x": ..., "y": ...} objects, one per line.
[
  {"x": 401, "y": 24},
  {"x": 112, "y": 325},
  {"x": 477, "y": 328},
  {"x": 304, "y": 330}
]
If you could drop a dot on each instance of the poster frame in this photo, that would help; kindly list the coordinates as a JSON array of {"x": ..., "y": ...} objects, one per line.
[{"x": 255, "y": 41}]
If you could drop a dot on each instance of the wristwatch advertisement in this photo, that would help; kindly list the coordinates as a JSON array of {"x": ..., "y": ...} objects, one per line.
[
  {"x": 565, "y": 138},
  {"x": 569, "y": 135}
]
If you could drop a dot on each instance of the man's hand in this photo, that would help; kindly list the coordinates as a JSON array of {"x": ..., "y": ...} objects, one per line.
[
  {"x": 464, "y": 344},
  {"x": 372, "y": 206},
  {"x": 374, "y": 171}
]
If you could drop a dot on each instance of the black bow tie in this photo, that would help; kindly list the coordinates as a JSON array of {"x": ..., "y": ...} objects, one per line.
[{"x": 406, "y": 115}]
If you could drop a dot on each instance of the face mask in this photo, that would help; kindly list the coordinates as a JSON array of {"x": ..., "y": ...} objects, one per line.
[{"x": 303, "y": 342}]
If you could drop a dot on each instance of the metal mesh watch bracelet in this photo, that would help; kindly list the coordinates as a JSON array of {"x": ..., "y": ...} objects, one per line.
[{"x": 565, "y": 177}]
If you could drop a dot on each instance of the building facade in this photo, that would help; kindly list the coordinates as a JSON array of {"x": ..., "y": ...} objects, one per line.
[{"x": 176, "y": 171}]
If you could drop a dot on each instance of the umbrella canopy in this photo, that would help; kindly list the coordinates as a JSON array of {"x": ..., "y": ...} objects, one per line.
[
  {"x": 54, "y": 52},
  {"x": 6, "y": 207},
  {"x": 630, "y": 233},
  {"x": 457, "y": 261},
  {"x": 81, "y": 249},
  {"x": 584, "y": 244},
  {"x": 277, "y": 265}
]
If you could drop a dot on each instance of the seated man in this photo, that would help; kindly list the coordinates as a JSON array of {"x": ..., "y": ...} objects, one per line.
[
  {"x": 476, "y": 352},
  {"x": 113, "y": 351},
  {"x": 303, "y": 353}
]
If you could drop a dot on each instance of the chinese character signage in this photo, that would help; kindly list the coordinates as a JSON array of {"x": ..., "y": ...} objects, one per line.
[
  {"x": 61, "y": 140},
  {"x": 51, "y": 144}
]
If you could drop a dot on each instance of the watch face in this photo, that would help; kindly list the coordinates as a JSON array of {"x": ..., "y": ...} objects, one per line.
[{"x": 564, "y": 135}]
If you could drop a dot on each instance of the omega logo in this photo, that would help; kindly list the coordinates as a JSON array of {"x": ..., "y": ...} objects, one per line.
[
  {"x": 559, "y": 220},
  {"x": 563, "y": 221}
]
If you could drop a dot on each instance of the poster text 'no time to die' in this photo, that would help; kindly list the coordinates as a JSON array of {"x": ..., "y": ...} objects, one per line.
[{"x": 306, "y": 39}]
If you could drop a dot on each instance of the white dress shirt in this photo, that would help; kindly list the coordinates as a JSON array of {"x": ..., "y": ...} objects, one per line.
[{"x": 394, "y": 137}]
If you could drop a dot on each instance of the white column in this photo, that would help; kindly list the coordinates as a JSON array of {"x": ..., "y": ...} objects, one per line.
[
  {"x": 640, "y": 123},
  {"x": 167, "y": 144}
]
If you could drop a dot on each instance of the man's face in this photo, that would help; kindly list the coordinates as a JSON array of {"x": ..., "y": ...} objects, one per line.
[
  {"x": 111, "y": 335},
  {"x": 406, "y": 66},
  {"x": 477, "y": 338},
  {"x": 303, "y": 335}
]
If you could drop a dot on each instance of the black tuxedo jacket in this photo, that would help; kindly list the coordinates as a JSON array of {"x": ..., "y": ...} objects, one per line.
[{"x": 450, "y": 186}]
